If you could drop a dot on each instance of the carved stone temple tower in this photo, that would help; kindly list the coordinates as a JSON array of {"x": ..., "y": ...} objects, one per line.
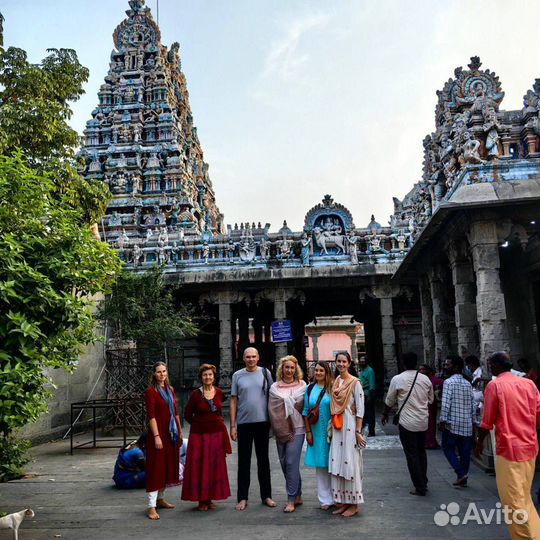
[{"x": 141, "y": 141}]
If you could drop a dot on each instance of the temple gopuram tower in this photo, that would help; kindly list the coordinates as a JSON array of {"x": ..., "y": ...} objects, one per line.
[{"x": 142, "y": 143}]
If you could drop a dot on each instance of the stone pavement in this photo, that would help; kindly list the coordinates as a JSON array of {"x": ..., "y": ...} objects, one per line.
[{"x": 73, "y": 498}]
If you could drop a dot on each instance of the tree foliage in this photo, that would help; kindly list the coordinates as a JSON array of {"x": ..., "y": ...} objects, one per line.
[
  {"x": 142, "y": 308},
  {"x": 50, "y": 263}
]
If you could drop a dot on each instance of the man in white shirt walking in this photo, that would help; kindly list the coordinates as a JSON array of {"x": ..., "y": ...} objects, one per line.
[{"x": 412, "y": 392}]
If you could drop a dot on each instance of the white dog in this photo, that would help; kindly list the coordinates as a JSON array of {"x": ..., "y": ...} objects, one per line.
[{"x": 13, "y": 521}]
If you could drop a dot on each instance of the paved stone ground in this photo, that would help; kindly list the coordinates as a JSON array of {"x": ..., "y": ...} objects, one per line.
[{"x": 73, "y": 498}]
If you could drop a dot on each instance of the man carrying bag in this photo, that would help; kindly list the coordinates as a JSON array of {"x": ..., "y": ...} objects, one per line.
[{"x": 413, "y": 392}]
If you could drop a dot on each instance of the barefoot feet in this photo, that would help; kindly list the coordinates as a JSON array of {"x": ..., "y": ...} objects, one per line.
[
  {"x": 241, "y": 505},
  {"x": 289, "y": 507},
  {"x": 269, "y": 502},
  {"x": 351, "y": 511},
  {"x": 152, "y": 514},
  {"x": 162, "y": 503},
  {"x": 340, "y": 508}
]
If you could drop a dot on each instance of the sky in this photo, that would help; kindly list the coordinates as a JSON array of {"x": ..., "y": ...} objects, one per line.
[{"x": 294, "y": 99}]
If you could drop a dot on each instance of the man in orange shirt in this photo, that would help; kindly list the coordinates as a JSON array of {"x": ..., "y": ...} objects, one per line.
[{"x": 512, "y": 406}]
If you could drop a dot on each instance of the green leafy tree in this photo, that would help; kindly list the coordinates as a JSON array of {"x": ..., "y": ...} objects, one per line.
[
  {"x": 51, "y": 265},
  {"x": 142, "y": 308}
]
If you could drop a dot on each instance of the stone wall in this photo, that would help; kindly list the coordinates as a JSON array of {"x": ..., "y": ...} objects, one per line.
[{"x": 70, "y": 388}]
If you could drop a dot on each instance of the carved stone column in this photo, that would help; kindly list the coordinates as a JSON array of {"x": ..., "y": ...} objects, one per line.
[
  {"x": 224, "y": 300},
  {"x": 465, "y": 308},
  {"x": 427, "y": 320},
  {"x": 385, "y": 292},
  {"x": 315, "y": 339},
  {"x": 440, "y": 313},
  {"x": 225, "y": 342},
  {"x": 490, "y": 304}
]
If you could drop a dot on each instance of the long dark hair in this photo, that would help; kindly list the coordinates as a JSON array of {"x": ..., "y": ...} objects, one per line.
[
  {"x": 328, "y": 377},
  {"x": 352, "y": 368}
]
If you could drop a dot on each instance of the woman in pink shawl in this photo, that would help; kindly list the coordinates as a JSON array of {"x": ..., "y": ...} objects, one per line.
[{"x": 285, "y": 404}]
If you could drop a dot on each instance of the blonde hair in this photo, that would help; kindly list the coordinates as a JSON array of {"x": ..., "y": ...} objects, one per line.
[{"x": 298, "y": 374}]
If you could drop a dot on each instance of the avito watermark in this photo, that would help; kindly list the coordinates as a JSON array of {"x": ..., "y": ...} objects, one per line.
[{"x": 449, "y": 514}]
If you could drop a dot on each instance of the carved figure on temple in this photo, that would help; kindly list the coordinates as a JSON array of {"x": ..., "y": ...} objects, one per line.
[
  {"x": 401, "y": 239},
  {"x": 137, "y": 254},
  {"x": 122, "y": 240},
  {"x": 264, "y": 246},
  {"x": 114, "y": 219},
  {"x": 491, "y": 127},
  {"x": 163, "y": 237},
  {"x": 352, "y": 241},
  {"x": 470, "y": 150},
  {"x": 247, "y": 248},
  {"x": 149, "y": 234},
  {"x": 305, "y": 249},
  {"x": 325, "y": 240},
  {"x": 117, "y": 183},
  {"x": 375, "y": 244},
  {"x": 161, "y": 255},
  {"x": 284, "y": 248},
  {"x": 205, "y": 252}
]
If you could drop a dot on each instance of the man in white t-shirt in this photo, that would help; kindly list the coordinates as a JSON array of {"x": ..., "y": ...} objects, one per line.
[
  {"x": 413, "y": 418},
  {"x": 250, "y": 426}
]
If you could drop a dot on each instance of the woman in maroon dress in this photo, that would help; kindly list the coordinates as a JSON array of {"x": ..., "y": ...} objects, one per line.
[
  {"x": 205, "y": 473},
  {"x": 164, "y": 440}
]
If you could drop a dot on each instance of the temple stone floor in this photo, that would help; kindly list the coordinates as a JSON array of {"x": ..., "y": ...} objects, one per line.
[{"x": 74, "y": 498}]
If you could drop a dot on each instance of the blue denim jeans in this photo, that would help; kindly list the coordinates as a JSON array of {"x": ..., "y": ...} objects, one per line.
[{"x": 457, "y": 449}]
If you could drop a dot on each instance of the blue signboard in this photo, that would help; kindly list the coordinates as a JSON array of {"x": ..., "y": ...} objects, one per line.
[{"x": 281, "y": 331}]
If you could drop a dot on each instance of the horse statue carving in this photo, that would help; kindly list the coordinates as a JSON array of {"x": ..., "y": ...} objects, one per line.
[{"x": 326, "y": 239}]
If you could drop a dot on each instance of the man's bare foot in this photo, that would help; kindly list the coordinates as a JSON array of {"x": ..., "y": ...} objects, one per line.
[
  {"x": 351, "y": 511},
  {"x": 162, "y": 503},
  {"x": 202, "y": 507},
  {"x": 269, "y": 502},
  {"x": 152, "y": 514},
  {"x": 298, "y": 501},
  {"x": 211, "y": 505},
  {"x": 241, "y": 505},
  {"x": 289, "y": 507},
  {"x": 340, "y": 508}
]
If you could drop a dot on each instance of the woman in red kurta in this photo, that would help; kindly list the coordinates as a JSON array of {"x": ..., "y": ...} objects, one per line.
[
  {"x": 205, "y": 473},
  {"x": 164, "y": 440}
]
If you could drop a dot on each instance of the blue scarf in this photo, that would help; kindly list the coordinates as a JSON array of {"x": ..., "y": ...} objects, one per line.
[{"x": 169, "y": 399}]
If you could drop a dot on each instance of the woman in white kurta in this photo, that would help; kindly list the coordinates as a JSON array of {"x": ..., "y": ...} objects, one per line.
[{"x": 345, "y": 458}]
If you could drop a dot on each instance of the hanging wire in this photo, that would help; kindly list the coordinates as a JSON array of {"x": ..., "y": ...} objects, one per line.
[{"x": 157, "y": 11}]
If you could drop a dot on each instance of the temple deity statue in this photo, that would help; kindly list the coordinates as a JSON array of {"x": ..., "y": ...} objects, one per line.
[
  {"x": 284, "y": 248},
  {"x": 205, "y": 252},
  {"x": 491, "y": 127},
  {"x": 352, "y": 241},
  {"x": 470, "y": 150},
  {"x": 264, "y": 247},
  {"x": 305, "y": 249},
  {"x": 137, "y": 254}
]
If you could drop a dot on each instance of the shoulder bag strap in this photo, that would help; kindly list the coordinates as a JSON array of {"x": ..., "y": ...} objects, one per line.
[{"x": 409, "y": 394}]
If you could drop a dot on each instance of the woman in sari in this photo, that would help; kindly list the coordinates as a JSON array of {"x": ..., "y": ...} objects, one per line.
[
  {"x": 319, "y": 392},
  {"x": 345, "y": 457},
  {"x": 285, "y": 403}
]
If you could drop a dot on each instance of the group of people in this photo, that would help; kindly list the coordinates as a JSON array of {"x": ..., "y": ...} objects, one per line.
[
  {"x": 511, "y": 406},
  {"x": 328, "y": 414}
]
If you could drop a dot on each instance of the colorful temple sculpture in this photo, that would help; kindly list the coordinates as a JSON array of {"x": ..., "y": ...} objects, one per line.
[{"x": 455, "y": 269}]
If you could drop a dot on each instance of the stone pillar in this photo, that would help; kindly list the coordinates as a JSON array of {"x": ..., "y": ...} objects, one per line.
[
  {"x": 225, "y": 343},
  {"x": 354, "y": 348},
  {"x": 490, "y": 304},
  {"x": 465, "y": 308},
  {"x": 427, "y": 320},
  {"x": 440, "y": 314},
  {"x": 388, "y": 336},
  {"x": 315, "y": 339},
  {"x": 280, "y": 313}
]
